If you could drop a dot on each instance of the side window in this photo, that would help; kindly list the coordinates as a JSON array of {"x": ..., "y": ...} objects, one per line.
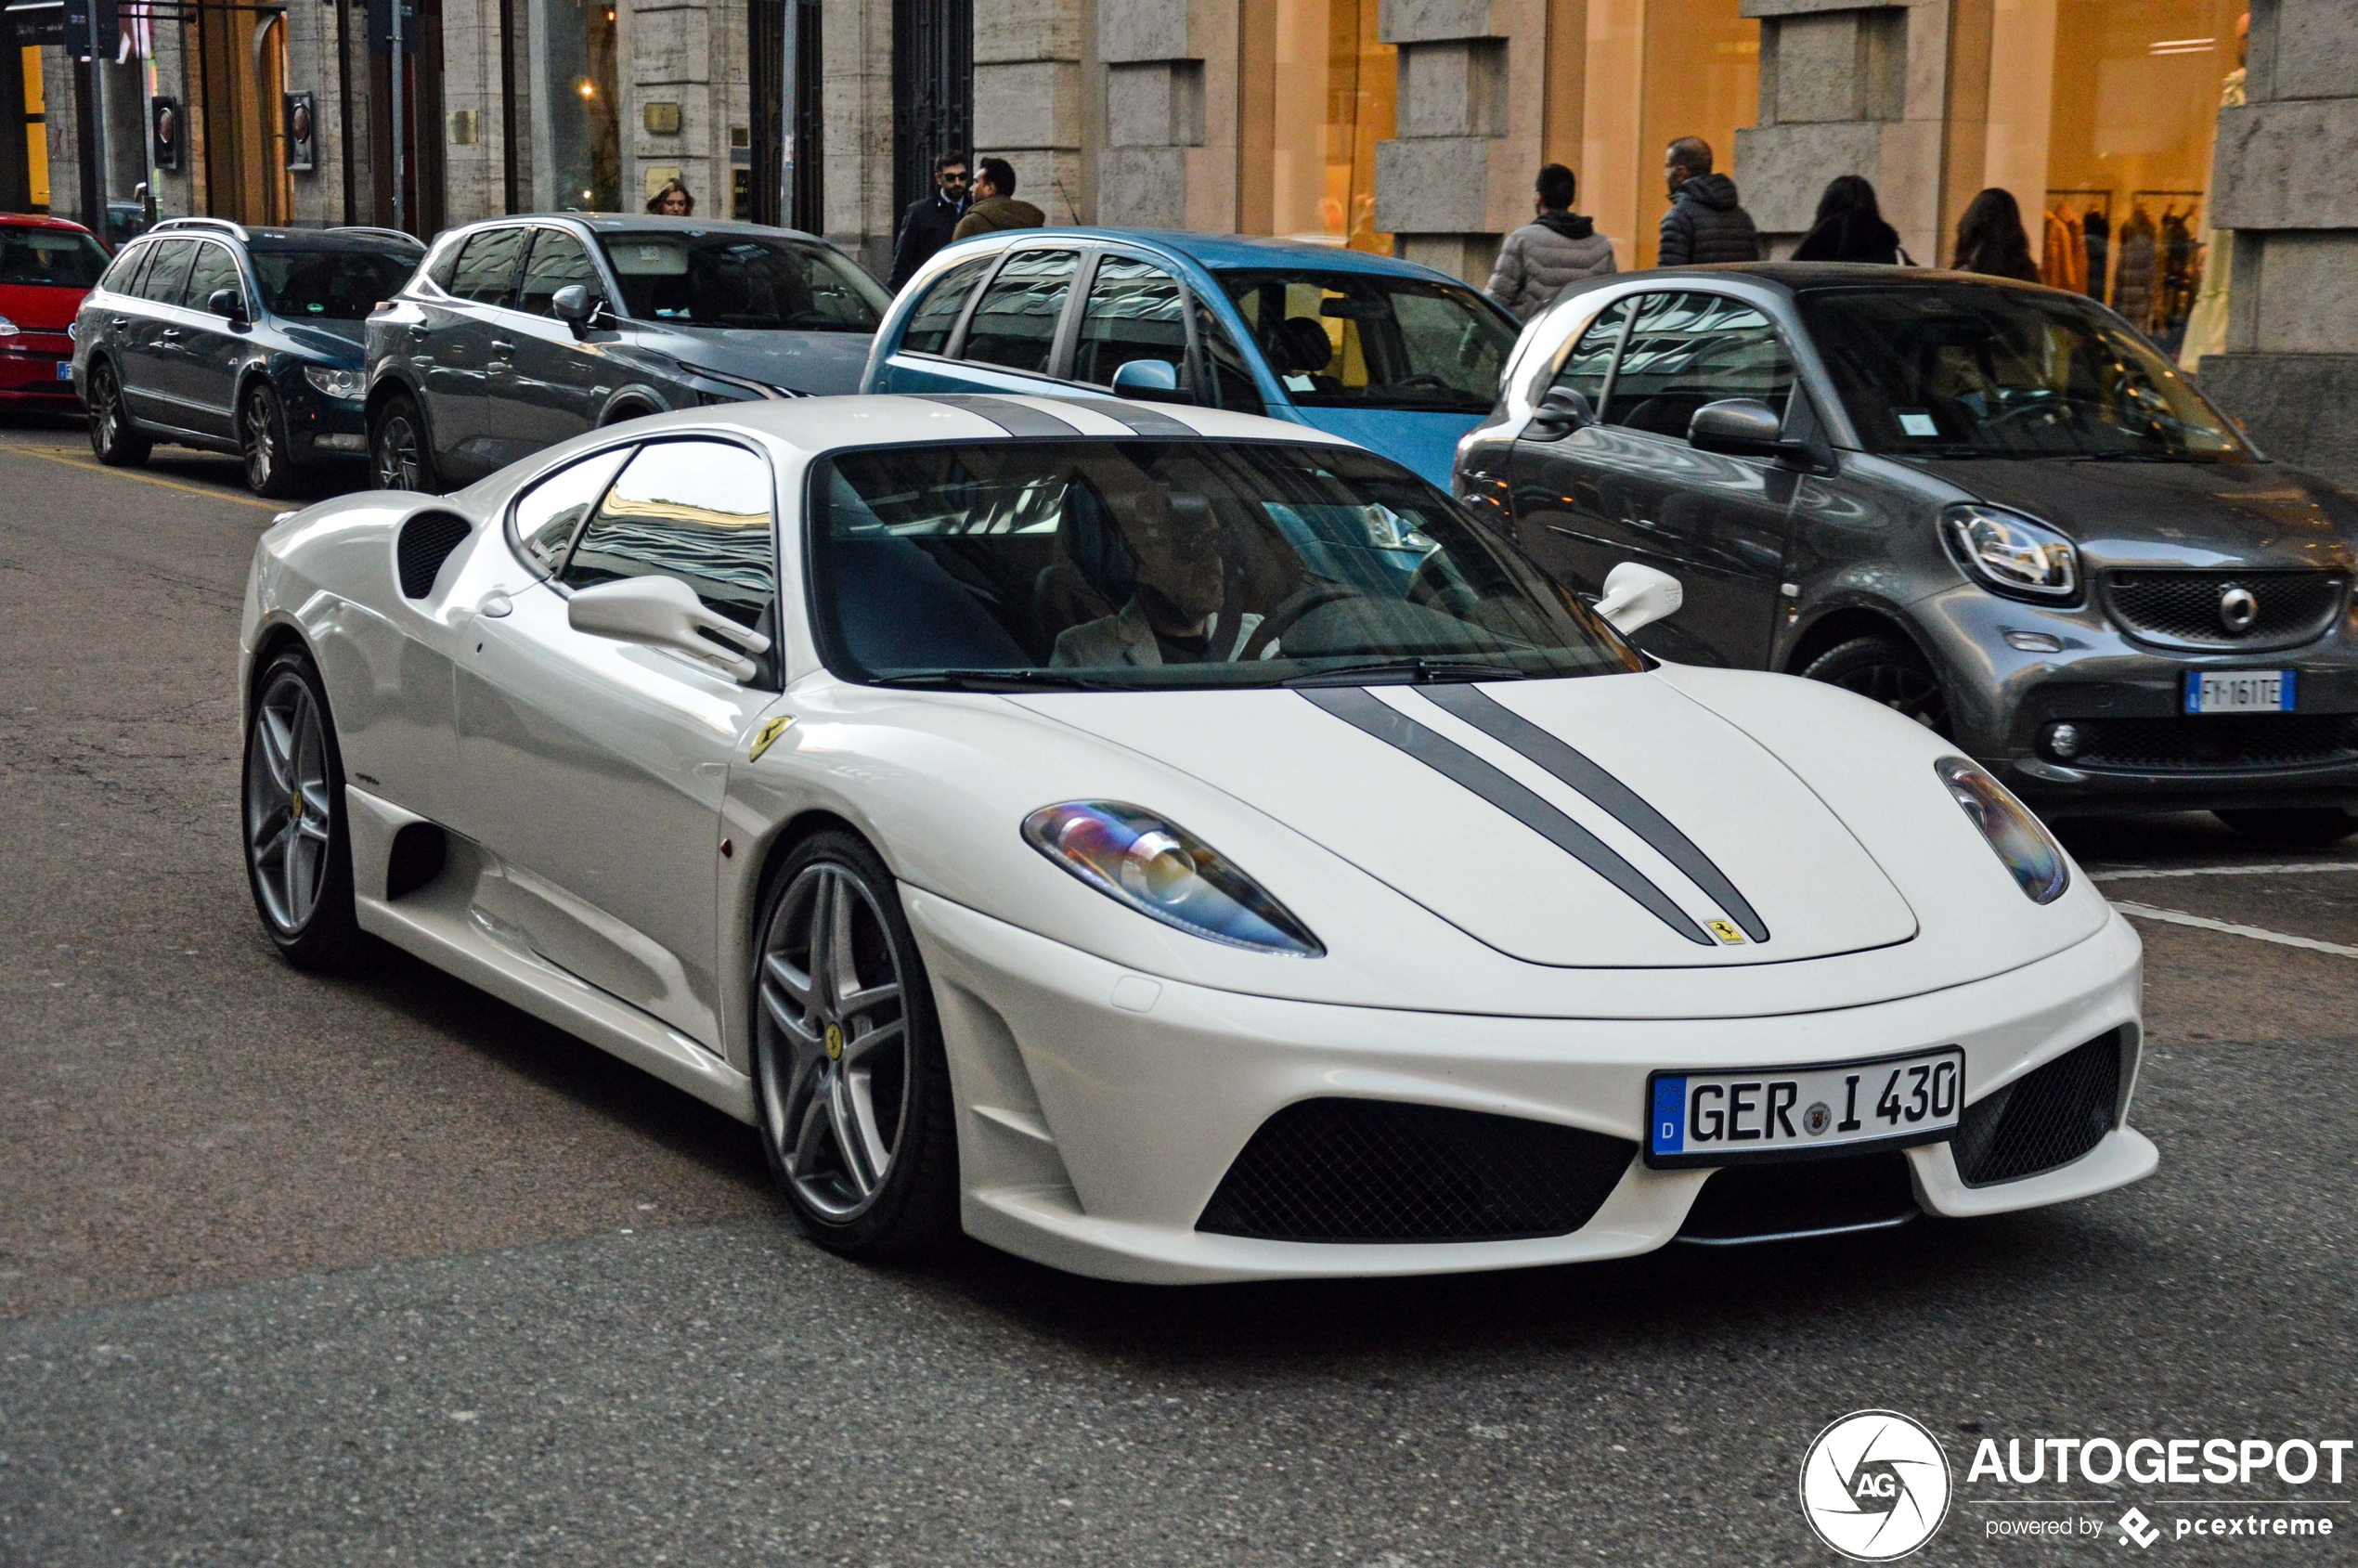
[
  {"x": 546, "y": 516},
  {"x": 124, "y": 270},
  {"x": 698, "y": 511},
  {"x": 214, "y": 267},
  {"x": 161, "y": 281},
  {"x": 444, "y": 268},
  {"x": 1585, "y": 367},
  {"x": 937, "y": 314},
  {"x": 557, "y": 260},
  {"x": 1687, "y": 350},
  {"x": 1134, "y": 311},
  {"x": 488, "y": 266},
  {"x": 1232, "y": 382},
  {"x": 1016, "y": 323}
]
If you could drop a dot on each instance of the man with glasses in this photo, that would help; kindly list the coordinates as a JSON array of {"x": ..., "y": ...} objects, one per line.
[{"x": 925, "y": 227}]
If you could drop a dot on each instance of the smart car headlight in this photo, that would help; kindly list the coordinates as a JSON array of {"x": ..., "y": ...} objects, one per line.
[
  {"x": 1167, "y": 874},
  {"x": 2019, "y": 839},
  {"x": 2011, "y": 554},
  {"x": 334, "y": 383}
]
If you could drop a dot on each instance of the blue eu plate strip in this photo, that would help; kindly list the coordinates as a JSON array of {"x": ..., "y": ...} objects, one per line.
[{"x": 1670, "y": 1129}]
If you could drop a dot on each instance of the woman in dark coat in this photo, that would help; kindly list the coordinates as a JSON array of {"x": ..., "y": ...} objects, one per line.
[
  {"x": 1990, "y": 238},
  {"x": 1849, "y": 226}
]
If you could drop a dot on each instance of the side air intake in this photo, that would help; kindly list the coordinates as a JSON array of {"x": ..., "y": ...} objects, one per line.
[
  {"x": 425, "y": 544},
  {"x": 2048, "y": 1117}
]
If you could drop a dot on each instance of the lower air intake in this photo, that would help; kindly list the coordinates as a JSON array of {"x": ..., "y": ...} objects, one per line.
[
  {"x": 1341, "y": 1170},
  {"x": 2048, "y": 1117},
  {"x": 1784, "y": 1201}
]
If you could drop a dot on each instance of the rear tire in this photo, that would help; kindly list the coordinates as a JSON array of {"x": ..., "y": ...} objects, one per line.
[
  {"x": 2310, "y": 825},
  {"x": 1885, "y": 670},
  {"x": 400, "y": 458},
  {"x": 298, "y": 845},
  {"x": 113, "y": 440},
  {"x": 262, "y": 438}
]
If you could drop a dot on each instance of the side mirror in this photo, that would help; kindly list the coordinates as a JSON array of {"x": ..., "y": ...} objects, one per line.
[
  {"x": 1149, "y": 381},
  {"x": 1637, "y": 596},
  {"x": 574, "y": 306},
  {"x": 1742, "y": 427},
  {"x": 660, "y": 612},
  {"x": 230, "y": 303},
  {"x": 1562, "y": 412}
]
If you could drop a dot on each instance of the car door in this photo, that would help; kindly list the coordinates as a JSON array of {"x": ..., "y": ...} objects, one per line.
[
  {"x": 142, "y": 350},
  {"x": 1630, "y": 487},
  {"x": 551, "y": 385},
  {"x": 597, "y": 766},
  {"x": 201, "y": 372},
  {"x": 463, "y": 379},
  {"x": 920, "y": 362}
]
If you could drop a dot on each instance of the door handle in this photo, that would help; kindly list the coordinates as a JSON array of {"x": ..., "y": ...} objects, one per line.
[
  {"x": 501, "y": 348},
  {"x": 119, "y": 322},
  {"x": 169, "y": 334},
  {"x": 419, "y": 334}
]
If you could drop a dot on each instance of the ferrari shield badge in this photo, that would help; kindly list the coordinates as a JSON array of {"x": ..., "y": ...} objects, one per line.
[
  {"x": 1720, "y": 929},
  {"x": 766, "y": 737}
]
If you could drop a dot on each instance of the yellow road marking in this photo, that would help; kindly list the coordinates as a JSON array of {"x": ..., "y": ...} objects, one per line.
[{"x": 57, "y": 457}]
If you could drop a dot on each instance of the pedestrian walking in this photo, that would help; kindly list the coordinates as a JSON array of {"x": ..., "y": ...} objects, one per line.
[
  {"x": 995, "y": 205},
  {"x": 1705, "y": 222},
  {"x": 1556, "y": 247},
  {"x": 1990, "y": 238},
  {"x": 674, "y": 201},
  {"x": 927, "y": 224},
  {"x": 1849, "y": 226}
]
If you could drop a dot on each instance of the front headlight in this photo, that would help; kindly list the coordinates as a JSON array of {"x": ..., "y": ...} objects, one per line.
[
  {"x": 2011, "y": 554},
  {"x": 2019, "y": 839},
  {"x": 336, "y": 383},
  {"x": 1167, "y": 874}
]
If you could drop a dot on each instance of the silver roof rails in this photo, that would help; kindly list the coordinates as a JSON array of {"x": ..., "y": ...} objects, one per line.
[
  {"x": 380, "y": 233},
  {"x": 215, "y": 225}
]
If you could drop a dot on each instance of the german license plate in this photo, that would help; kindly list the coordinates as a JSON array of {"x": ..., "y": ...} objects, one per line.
[
  {"x": 2240, "y": 691},
  {"x": 1791, "y": 1113},
  {"x": 65, "y": 369}
]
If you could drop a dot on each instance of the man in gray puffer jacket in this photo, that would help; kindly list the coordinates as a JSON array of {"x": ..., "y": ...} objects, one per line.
[
  {"x": 1705, "y": 222},
  {"x": 1554, "y": 250}
]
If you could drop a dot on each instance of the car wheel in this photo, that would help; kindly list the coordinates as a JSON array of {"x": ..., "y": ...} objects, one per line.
[
  {"x": 398, "y": 459},
  {"x": 2294, "y": 824},
  {"x": 298, "y": 848},
  {"x": 261, "y": 436},
  {"x": 851, "y": 1084},
  {"x": 112, "y": 439},
  {"x": 1889, "y": 672}
]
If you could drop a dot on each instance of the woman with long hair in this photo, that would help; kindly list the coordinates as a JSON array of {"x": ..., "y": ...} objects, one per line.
[
  {"x": 674, "y": 201},
  {"x": 1990, "y": 238},
  {"x": 1849, "y": 226}
]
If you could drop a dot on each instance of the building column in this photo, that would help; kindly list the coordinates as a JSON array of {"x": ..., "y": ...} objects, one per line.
[
  {"x": 855, "y": 41},
  {"x": 2280, "y": 181},
  {"x": 1028, "y": 98},
  {"x": 1470, "y": 98},
  {"x": 1169, "y": 157}
]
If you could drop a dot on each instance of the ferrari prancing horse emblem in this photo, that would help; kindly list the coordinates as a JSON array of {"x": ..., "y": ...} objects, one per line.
[
  {"x": 1725, "y": 932},
  {"x": 766, "y": 737},
  {"x": 834, "y": 1042}
]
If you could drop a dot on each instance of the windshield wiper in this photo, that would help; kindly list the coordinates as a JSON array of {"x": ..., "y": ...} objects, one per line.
[
  {"x": 1415, "y": 670},
  {"x": 994, "y": 680},
  {"x": 2138, "y": 457}
]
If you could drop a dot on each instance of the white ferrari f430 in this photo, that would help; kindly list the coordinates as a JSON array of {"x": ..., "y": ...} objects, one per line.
[{"x": 1170, "y": 845}]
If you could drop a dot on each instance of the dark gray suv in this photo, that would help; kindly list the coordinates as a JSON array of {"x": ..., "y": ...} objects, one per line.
[
  {"x": 520, "y": 332},
  {"x": 1992, "y": 506}
]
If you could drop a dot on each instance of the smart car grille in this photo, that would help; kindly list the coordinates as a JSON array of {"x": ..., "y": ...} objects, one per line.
[
  {"x": 426, "y": 542},
  {"x": 2193, "y": 609},
  {"x": 2223, "y": 742},
  {"x": 1342, "y": 1170},
  {"x": 1802, "y": 1197},
  {"x": 2048, "y": 1117}
]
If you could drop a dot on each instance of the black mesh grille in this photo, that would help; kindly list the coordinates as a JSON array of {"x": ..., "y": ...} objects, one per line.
[
  {"x": 1337, "y": 1170},
  {"x": 426, "y": 542},
  {"x": 1801, "y": 1197},
  {"x": 2048, "y": 1117},
  {"x": 2182, "y": 608},
  {"x": 2221, "y": 741}
]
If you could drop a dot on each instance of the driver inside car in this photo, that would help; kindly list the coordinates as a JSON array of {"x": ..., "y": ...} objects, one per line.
[{"x": 1177, "y": 611}]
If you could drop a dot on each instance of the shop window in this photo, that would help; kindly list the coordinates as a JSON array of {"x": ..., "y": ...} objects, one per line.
[
  {"x": 1334, "y": 100},
  {"x": 577, "y": 109},
  {"x": 1702, "y": 79}
]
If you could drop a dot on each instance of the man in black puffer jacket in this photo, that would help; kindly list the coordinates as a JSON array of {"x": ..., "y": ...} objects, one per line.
[{"x": 1705, "y": 222}]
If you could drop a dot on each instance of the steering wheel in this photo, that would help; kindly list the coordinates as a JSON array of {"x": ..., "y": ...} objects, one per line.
[
  {"x": 2054, "y": 409},
  {"x": 1314, "y": 594}
]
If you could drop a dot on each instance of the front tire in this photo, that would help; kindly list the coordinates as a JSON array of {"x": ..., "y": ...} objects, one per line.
[
  {"x": 1885, "y": 670},
  {"x": 2312, "y": 826},
  {"x": 399, "y": 457},
  {"x": 262, "y": 439},
  {"x": 113, "y": 438},
  {"x": 850, "y": 1082},
  {"x": 298, "y": 844}
]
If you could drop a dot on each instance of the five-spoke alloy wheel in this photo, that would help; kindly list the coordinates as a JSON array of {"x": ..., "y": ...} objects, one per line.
[
  {"x": 112, "y": 439},
  {"x": 298, "y": 858}
]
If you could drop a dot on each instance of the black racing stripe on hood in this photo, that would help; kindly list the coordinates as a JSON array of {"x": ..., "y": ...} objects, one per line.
[
  {"x": 1144, "y": 421},
  {"x": 1016, "y": 419},
  {"x": 1625, "y": 805},
  {"x": 1364, "y": 712}
]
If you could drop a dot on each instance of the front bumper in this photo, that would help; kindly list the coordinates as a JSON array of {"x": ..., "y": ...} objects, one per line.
[
  {"x": 321, "y": 428},
  {"x": 1099, "y": 1110}
]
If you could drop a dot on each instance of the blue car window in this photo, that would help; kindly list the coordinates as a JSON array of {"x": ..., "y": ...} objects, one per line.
[
  {"x": 936, "y": 314},
  {"x": 1015, "y": 324},
  {"x": 1232, "y": 385},
  {"x": 1134, "y": 311},
  {"x": 1364, "y": 339}
]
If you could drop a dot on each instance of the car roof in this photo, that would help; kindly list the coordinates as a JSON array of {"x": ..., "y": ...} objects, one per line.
[
  {"x": 1233, "y": 252},
  {"x": 1800, "y": 277},
  {"x": 36, "y": 220},
  {"x": 651, "y": 223}
]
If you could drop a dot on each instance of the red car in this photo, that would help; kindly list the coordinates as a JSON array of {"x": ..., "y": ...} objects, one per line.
[{"x": 47, "y": 264}]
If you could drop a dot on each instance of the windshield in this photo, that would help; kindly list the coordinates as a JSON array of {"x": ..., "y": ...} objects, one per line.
[
  {"x": 1969, "y": 371},
  {"x": 742, "y": 280},
  {"x": 1357, "y": 340},
  {"x": 57, "y": 258},
  {"x": 318, "y": 284},
  {"x": 1143, "y": 564}
]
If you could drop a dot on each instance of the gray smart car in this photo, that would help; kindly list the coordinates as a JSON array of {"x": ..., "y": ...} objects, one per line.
[{"x": 1991, "y": 505}]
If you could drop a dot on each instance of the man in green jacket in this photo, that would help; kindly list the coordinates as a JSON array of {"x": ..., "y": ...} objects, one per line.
[{"x": 995, "y": 206}]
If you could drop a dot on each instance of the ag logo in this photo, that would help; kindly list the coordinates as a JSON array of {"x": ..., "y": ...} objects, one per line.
[{"x": 1875, "y": 1485}]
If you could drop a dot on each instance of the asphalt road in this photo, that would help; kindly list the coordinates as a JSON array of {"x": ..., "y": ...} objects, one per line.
[{"x": 377, "y": 1269}]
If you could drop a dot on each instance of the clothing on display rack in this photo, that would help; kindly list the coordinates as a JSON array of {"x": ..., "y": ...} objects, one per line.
[
  {"x": 2206, "y": 323},
  {"x": 2133, "y": 283},
  {"x": 2177, "y": 277},
  {"x": 2096, "y": 241},
  {"x": 2063, "y": 260}
]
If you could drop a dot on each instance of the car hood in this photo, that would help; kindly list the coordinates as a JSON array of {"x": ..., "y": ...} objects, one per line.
[
  {"x": 339, "y": 341},
  {"x": 1426, "y": 443},
  {"x": 39, "y": 307},
  {"x": 819, "y": 364},
  {"x": 1465, "y": 842},
  {"x": 2243, "y": 514}
]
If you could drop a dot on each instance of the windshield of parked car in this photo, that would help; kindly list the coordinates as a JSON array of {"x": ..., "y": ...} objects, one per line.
[
  {"x": 316, "y": 283},
  {"x": 1357, "y": 340},
  {"x": 742, "y": 281},
  {"x": 1146, "y": 565},
  {"x": 1979, "y": 371},
  {"x": 57, "y": 258}
]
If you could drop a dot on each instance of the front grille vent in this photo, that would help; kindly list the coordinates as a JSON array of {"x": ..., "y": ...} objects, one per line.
[
  {"x": 1346, "y": 1169},
  {"x": 2204, "y": 609},
  {"x": 2217, "y": 742},
  {"x": 425, "y": 544},
  {"x": 1777, "y": 1203},
  {"x": 2049, "y": 1117}
]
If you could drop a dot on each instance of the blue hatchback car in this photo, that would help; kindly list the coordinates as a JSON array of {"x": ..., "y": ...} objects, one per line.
[{"x": 1399, "y": 358}]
